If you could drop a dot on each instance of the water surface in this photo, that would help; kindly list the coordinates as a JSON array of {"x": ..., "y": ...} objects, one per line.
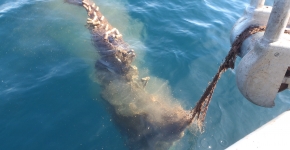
[{"x": 48, "y": 95}]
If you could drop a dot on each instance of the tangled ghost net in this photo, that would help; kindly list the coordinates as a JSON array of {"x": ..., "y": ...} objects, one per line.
[{"x": 149, "y": 120}]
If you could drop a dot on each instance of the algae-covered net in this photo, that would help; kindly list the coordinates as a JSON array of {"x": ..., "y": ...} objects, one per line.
[{"x": 148, "y": 120}]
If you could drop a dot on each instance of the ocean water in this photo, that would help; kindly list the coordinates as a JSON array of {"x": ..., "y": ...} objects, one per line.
[{"x": 49, "y": 98}]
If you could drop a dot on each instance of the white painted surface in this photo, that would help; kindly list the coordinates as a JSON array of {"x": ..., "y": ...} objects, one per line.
[
  {"x": 275, "y": 135},
  {"x": 265, "y": 56},
  {"x": 262, "y": 70}
]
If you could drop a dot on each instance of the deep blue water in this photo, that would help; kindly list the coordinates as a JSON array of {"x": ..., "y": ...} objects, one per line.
[{"x": 48, "y": 95}]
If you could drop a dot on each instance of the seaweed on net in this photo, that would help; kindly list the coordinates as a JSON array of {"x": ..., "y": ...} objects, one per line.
[{"x": 149, "y": 120}]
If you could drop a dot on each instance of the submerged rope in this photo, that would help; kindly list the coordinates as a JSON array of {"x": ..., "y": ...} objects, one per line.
[{"x": 200, "y": 110}]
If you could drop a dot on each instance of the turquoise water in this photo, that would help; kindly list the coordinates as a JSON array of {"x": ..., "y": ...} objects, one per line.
[{"x": 48, "y": 95}]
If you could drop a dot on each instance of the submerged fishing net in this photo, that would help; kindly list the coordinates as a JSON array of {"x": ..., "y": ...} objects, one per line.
[
  {"x": 200, "y": 110},
  {"x": 149, "y": 120}
]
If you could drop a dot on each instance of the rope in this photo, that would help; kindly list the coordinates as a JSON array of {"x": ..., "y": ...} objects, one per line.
[{"x": 200, "y": 110}]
